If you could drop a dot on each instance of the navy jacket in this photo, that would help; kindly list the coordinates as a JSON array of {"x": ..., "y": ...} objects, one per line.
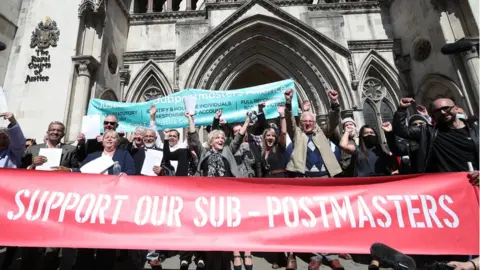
[{"x": 123, "y": 157}]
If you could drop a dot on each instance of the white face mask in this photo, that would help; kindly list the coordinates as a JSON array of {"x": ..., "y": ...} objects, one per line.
[{"x": 461, "y": 116}]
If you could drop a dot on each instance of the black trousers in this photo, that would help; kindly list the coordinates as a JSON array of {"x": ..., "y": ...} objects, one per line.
[
  {"x": 218, "y": 260},
  {"x": 104, "y": 259}
]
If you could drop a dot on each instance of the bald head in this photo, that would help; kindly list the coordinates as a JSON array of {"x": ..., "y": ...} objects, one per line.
[{"x": 444, "y": 110}]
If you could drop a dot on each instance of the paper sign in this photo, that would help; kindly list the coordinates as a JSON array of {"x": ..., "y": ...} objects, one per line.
[
  {"x": 53, "y": 155},
  {"x": 190, "y": 103},
  {"x": 98, "y": 166},
  {"x": 91, "y": 126},
  {"x": 152, "y": 158}
]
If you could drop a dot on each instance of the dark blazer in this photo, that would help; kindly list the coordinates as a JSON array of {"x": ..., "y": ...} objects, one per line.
[
  {"x": 92, "y": 146},
  {"x": 68, "y": 159},
  {"x": 123, "y": 157},
  {"x": 138, "y": 155},
  {"x": 182, "y": 155}
]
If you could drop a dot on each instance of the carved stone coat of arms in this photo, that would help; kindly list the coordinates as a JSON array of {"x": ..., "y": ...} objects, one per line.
[{"x": 45, "y": 35}]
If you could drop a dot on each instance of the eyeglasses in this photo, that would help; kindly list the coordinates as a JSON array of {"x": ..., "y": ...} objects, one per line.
[
  {"x": 445, "y": 109},
  {"x": 109, "y": 123}
]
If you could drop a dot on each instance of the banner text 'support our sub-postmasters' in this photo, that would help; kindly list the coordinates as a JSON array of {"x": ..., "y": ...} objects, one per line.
[
  {"x": 323, "y": 215},
  {"x": 171, "y": 109}
]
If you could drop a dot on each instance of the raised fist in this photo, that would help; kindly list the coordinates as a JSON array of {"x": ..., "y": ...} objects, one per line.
[
  {"x": 406, "y": 102},
  {"x": 333, "y": 96}
]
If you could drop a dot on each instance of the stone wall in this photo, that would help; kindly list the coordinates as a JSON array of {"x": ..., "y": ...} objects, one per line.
[
  {"x": 9, "y": 14},
  {"x": 36, "y": 104},
  {"x": 114, "y": 42}
]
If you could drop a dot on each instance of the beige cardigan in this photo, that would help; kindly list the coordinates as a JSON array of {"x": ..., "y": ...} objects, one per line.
[{"x": 320, "y": 137}]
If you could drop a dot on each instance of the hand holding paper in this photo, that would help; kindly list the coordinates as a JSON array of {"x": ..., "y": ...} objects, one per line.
[
  {"x": 91, "y": 126},
  {"x": 190, "y": 103},
  {"x": 52, "y": 157}
]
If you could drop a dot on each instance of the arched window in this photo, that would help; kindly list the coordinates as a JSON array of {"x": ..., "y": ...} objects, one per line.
[
  {"x": 376, "y": 108},
  {"x": 151, "y": 89}
]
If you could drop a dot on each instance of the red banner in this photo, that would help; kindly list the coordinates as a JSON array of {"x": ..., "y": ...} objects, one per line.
[{"x": 422, "y": 214}]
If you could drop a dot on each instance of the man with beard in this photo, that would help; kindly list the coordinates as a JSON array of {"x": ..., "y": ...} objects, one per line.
[
  {"x": 447, "y": 147},
  {"x": 138, "y": 153},
  {"x": 94, "y": 145}
]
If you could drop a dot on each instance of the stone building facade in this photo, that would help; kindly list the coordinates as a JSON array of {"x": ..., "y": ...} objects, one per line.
[{"x": 372, "y": 52}]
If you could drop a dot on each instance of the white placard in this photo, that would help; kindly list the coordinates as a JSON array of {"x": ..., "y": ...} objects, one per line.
[
  {"x": 190, "y": 103},
  {"x": 98, "y": 166},
  {"x": 91, "y": 126},
  {"x": 53, "y": 155},
  {"x": 152, "y": 158}
]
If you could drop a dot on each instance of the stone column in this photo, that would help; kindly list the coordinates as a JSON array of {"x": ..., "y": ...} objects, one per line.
[
  {"x": 85, "y": 66},
  {"x": 150, "y": 6},
  {"x": 472, "y": 66},
  {"x": 124, "y": 81},
  {"x": 169, "y": 5},
  {"x": 189, "y": 5}
]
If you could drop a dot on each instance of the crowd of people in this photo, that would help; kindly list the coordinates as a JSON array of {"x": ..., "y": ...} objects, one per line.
[{"x": 440, "y": 139}]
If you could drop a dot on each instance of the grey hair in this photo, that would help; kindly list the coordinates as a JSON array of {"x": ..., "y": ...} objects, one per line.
[
  {"x": 213, "y": 134},
  {"x": 307, "y": 113},
  {"x": 57, "y": 123},
  {"x": 141, "y": 129},
  {"x": 150, "y": 129}
]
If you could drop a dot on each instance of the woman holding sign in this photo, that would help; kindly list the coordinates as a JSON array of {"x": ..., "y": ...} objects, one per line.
[{"x": 216, "y": 160}]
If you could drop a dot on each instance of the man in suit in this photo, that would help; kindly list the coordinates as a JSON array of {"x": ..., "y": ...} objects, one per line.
[
  {"x": 55, "y": 133},
  {"x": 68, "y": 161},
  {"x": 86, "y": 147}
]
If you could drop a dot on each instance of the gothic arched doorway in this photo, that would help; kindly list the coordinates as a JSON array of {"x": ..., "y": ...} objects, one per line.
[{"x": 256, "y": 74}]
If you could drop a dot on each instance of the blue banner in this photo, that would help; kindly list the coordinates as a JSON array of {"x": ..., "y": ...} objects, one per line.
[{"x": 171, "y": 109}]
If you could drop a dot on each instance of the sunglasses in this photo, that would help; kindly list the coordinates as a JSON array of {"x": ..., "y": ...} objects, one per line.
[
  {"x": 446, "y": 109},
  {"x": 109, "y": 123}
]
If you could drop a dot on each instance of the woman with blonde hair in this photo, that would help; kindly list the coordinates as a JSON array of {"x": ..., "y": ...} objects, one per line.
[{"x": 217, "y": 160}]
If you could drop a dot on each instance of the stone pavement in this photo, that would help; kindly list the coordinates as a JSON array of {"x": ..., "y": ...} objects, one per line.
[
  {"x": 261, "y": 264},
  {"x": 173, "y": 263}
]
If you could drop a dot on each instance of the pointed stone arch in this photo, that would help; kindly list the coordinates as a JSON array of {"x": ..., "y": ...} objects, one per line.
[
  {"x": 287, "y": 46},
  {"x": 374, "y": 65},
  {"x": 108, "y": 94},
  {"x": 381, "y": 87},
  {"x": 149, "y": 81},
  {"x": 435, "y": 86}
]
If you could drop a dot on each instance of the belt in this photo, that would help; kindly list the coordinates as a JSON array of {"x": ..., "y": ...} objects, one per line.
[{"x": 278, "y": 171}]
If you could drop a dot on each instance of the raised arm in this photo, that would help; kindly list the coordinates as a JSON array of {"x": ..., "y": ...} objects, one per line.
[
  {"x": 16, "y": 137},
  {"x": 289, "y": 117},
  {"x": 345, "y": 144},
  {"x": 333, "y": 118},
  {"x": 400, "y": 127},
  {"x": 153, "y": 125},
  {"x": 237, "y": 141},
  {"x": 193, "y": 139},
  {"x": 216, "y": 120},
  {"x": 283, "y": 127}
]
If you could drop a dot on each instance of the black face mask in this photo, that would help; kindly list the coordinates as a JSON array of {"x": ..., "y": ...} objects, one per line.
[{"x": 370, "y": 140}]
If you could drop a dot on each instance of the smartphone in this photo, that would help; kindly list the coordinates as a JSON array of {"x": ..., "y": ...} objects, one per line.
[{"x": 253, "y": 117}]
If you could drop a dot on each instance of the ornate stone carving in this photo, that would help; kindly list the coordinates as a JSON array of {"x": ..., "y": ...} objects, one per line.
[
  {"x": 421, "y": 50},
  {"x": 94, "y": 6},
  {"x": 348, "y": 7},
  {"x": 403, "y": 63},
  {"x": 366, "y": 45},
  {"x": 166, "y": 16},
  {"x": 147, "y": 55},
  {"x": 152, "y": 93},
  {"x": 85, "y": 64},
  {"x": 278, "y": 12},
  {"x": 124, "y": 76},
  {"x": 373, "y": 89},
  {"x": 45, "y": 35}
]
